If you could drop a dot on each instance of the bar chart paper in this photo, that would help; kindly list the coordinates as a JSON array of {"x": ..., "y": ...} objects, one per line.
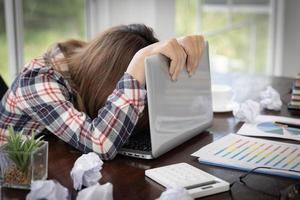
[{"x": 246, "y": 153}]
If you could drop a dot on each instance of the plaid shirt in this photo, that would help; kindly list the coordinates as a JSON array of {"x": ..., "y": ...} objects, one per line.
[{"x": 41, "y": 98}]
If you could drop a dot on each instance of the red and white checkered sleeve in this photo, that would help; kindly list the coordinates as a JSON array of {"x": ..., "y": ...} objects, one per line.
[{"x": 45, "y": 98}]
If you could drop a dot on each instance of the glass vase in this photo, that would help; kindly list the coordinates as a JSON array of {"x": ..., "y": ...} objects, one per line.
[{"x": 20, "y": 169}]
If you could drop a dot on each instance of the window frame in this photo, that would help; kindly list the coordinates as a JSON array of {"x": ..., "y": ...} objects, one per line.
[
  {"x": 275, "y": 9},
  {"x": 15, "y": 32},
  {"x": 15, "y": 36}
]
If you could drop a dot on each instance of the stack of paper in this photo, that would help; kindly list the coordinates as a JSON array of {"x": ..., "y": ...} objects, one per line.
[{"x": 295, "y": 98}]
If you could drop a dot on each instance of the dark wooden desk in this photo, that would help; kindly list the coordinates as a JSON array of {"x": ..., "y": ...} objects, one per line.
[{"x": 127, "y": 174}]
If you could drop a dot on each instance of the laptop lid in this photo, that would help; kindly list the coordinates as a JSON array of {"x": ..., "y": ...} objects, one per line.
[{"x": 178, "y": 110}]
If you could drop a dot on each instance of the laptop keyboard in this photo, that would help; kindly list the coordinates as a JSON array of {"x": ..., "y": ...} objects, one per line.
[{"x": 139, "y": 140}]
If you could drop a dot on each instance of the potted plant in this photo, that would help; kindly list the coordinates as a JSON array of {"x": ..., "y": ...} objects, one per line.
[{"x": 23, "y": 159}]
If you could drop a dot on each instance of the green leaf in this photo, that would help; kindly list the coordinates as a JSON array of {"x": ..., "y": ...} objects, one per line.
[{"x": 19, "y": 148}]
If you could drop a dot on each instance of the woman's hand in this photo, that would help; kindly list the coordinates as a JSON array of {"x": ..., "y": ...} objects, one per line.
[
  {"x": 184, "y": 52},
  {"x": 193, "y": 46}
]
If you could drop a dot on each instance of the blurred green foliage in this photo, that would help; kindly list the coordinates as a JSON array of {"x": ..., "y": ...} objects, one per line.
[
  {"x": 232, "y": 43},
  {"x": 45, "y": 22}
]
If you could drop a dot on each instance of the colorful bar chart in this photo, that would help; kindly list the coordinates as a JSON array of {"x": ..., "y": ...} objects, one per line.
[
  {"x": 247, "y": 153},
  {"x": 255, "y": 152}
]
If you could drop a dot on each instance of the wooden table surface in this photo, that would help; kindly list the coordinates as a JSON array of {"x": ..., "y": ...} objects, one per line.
[{"x": 127, "y": 174}]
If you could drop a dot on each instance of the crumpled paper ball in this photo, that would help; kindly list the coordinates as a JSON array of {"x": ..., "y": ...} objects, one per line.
[
  {"x": 270, "y": 99},
  {"x": 175, "y": 193},
  {"x": 96, "y": 192},
  {"x": 247, "y": 111},
  {"x": 86, "y": 170},
  {"x": 48, "y": 190}
]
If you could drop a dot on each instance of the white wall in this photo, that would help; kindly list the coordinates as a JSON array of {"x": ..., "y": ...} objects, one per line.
[
  {"x": 291, "y": 39},
  {"x": 158, "y": 14}
]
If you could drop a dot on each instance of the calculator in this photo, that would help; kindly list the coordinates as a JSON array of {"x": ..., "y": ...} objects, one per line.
[{"x": 197, "y": 182}]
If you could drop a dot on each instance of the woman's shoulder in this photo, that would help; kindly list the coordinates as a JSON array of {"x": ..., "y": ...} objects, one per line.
[
  {"x": 38, "y": 74},
  {"x": 37, "y": 65},
  {"x": 39, "y": 68}
]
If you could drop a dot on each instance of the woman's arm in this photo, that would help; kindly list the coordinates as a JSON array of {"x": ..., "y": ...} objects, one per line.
[
  {"x": 44, "y": 98},
  {"x": 41, "y": 96},
  {"x": 184, "y": 52}
]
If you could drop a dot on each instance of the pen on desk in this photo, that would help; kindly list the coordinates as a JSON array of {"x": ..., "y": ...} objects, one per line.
[{"x": 287, "y": 124}]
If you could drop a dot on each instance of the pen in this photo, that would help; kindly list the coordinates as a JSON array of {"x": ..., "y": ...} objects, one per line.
[{"x": 287, "y": 124}]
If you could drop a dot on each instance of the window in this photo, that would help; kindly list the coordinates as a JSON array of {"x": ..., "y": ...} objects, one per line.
[
  {"x": 33, "y": 26},
  {"x": 50, "y": 21},
  {"x": 3, "y": 46},
  {"x": 237, "y": 31}
]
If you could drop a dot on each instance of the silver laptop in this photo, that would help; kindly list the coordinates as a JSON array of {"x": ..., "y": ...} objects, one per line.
[{"x": 178, "y": 110}]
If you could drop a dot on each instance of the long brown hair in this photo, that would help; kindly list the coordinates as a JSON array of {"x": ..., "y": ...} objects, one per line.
[{"x": 98, "y": 65}]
